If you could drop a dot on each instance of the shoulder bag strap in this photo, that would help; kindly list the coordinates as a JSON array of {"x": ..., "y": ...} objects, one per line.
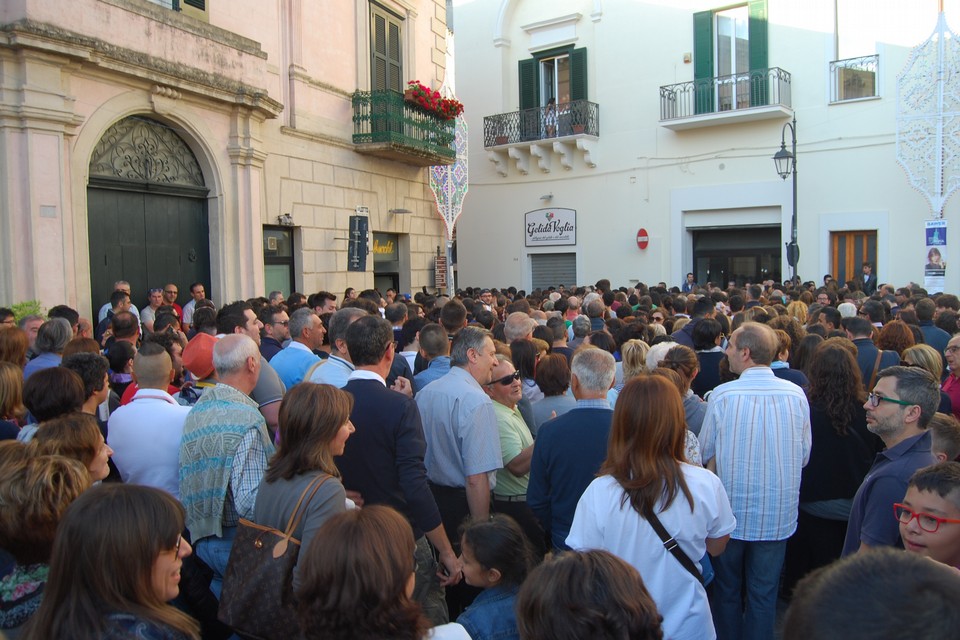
[
  {"x": 297, "y": 514},
  {"x": 876, "y": 367},
  {"x": 671, "y": 545}
]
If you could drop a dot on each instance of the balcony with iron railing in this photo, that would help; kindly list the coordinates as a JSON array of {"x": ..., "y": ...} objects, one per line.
[
  {"x": 387, "y": 126},
  {"x": 562, "y": 130},
  {"x": 854, "y": 78},
  {"x": 544, "y": 123},
  {"x": 760, "y": 94}
]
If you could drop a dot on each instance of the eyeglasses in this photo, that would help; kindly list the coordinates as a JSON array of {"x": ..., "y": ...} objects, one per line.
[
  {"x": 176, "y": 549},
  {"x": 658, "y": 318},
  {"x": 927, "y": 521},
  {"x": 952, "y": 349},
  {"x": 173, "y": 293},
  {"x": 282, "y": 323},
  {"x": 506, "y": 380},
  {"x": 875, "y": 399}
]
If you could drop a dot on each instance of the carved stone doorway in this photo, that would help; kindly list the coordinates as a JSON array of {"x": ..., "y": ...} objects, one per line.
[{"x": 147, "y": 212}]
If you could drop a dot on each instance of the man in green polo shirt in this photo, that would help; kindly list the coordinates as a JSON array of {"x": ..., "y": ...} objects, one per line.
[{"x": 516, "y": 446}]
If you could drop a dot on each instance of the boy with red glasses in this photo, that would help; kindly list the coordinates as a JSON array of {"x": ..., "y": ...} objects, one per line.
[{"x": 930, "y": 513}]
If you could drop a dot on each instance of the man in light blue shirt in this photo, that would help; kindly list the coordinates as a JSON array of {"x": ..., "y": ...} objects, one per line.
[
  {"x": 294, "y": 360},
  {"x": 463, "y": 440},
  {"x": 336, "y": 369},
  {"x": 756, "y": 437},
  {"x": 435, "y": 347}
]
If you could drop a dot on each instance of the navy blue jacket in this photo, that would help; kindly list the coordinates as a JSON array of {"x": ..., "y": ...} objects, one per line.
[
  {"x": 383, "y": 459},
  {"x": 569, "y": 451},
  {"x": 867, "y": 357}
]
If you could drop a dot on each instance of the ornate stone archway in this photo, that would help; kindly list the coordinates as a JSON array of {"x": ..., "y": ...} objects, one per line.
[{"x": 147, "y": 211}]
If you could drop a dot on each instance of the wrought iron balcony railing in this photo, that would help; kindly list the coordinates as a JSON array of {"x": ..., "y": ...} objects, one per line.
[
  {"x": 757, "y": 88},
  {"x": 544, "y": 123},
  {"x": 384, "y": 124},
  {"x": 854, "y": 78}
]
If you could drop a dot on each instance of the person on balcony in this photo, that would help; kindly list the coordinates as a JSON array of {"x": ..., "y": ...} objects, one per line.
[{"x": 550, "y": 118}]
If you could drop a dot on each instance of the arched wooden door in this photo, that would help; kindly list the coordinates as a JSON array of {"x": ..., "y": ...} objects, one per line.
[{"x": 147, "y": 212}]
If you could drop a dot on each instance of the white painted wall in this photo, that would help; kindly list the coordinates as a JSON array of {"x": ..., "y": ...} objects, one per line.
[{"x": 652, "y": 177}]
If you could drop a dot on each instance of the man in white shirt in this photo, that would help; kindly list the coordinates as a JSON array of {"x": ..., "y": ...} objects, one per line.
[{"x": 145, "y": 433}]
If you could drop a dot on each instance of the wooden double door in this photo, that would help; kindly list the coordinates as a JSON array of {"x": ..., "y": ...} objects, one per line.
[{"x": 148, "y": 237}]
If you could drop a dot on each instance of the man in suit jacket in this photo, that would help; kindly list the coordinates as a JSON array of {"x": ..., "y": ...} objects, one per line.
[
  {"x": 860, "y": 331},
  {"x": 571, "y": 447},
  {"x": 869, "y": 281},
  {"x": 383, "y": 460}
]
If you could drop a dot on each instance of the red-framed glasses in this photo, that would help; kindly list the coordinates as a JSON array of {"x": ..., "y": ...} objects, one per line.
[{"x": 927, "y": 521}]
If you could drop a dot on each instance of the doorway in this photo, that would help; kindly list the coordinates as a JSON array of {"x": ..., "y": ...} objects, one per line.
[
  {"x": 736, "y": 254},
  {"x": 146, "y": 212},
  {"x": 849, "y": 250}
]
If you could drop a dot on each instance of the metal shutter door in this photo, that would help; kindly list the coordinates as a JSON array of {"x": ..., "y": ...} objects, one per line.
[{"x": 552, "y": 269}]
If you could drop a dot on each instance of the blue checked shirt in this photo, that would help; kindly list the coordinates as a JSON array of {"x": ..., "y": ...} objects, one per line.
[{"x": 757, "y": 429}]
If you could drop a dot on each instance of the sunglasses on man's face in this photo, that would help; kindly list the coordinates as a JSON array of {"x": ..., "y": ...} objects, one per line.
[{"x": 507, "y": 379}]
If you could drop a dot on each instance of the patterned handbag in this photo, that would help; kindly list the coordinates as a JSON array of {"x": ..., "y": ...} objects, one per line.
[{"x": 257, "y": 600}]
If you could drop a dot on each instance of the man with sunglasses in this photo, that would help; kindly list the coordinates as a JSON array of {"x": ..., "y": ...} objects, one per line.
[
  {"x": 275, "y": 332},
  {"x": 898, "y": 411},
  {"x": 516, "y": 446}
]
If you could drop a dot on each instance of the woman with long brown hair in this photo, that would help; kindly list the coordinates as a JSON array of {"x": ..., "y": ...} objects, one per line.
[
  {"x": 644, "y": 479},
  {"x": 842, "y": 453},
  {"x": 314, "y": 426},
  {"x": 114, "y": 568}
]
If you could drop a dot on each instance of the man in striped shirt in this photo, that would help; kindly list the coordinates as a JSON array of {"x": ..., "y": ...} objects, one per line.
[{"x": 756, "y": 437}]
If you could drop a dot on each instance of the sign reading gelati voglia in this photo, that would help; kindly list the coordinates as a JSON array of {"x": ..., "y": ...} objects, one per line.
[{"x": 551, "y": 227}]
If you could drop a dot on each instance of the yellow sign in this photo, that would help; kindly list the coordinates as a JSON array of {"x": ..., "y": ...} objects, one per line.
[{"x": 382, "y": 248}]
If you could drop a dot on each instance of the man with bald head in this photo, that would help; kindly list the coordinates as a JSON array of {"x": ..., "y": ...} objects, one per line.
[
  {"x": 756, "y": 437},
  {"x": 145, "y": 433}
]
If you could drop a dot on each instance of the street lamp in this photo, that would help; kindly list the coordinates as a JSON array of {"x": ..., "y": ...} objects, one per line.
[{"x": 786, "y": 162}]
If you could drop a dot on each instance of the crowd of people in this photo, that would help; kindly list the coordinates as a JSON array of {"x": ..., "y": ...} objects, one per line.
[{"x": 625, "y": 463}]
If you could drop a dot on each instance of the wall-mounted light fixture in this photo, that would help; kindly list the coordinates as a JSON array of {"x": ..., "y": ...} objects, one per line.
[
  {"x": 285, "y": 220},
  {"x": 548, "y": 197},
  {"x": 400, "y": 211}
]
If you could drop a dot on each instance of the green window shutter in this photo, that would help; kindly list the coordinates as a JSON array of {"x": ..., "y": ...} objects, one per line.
[
  {"x": 703, "y": 61},
  {"x": 578, "y": 74},
  {"x": 386, "y": 67},
  {"x": 529, "y": 84},
  {"x": 394, "y": 66},
  {"x": 757, "y": 34}
]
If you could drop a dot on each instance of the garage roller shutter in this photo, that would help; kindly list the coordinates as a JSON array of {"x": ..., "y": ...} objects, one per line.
[{"x": 552, "y": 269}]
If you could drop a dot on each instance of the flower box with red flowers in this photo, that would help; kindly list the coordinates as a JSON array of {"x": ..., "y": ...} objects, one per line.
[{"x": 431, "y": 102}]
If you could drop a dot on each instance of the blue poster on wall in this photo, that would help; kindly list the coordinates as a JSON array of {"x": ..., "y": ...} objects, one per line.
[{"x": 935, "y": 268}]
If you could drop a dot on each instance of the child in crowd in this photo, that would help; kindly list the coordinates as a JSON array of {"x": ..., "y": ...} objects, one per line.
[
  {"x": 496, "y": 557},
  {"x": 945, "y": 443},
  {"x": 930, "y": 513}
]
